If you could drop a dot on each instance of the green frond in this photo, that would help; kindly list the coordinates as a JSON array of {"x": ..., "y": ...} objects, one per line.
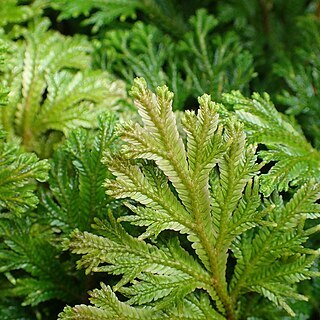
[
  {"x": 142, "y": 51},
  {"x": 274, "y": 296},
  {"x": 203, "y": 136},
  {"x": 76, "y": 194},
  {"x": 169, "y": 265},
  {"x": 53, "y": 91},
  {"x": 149, "y": 187},
  {"x": 296, "y": 160},
  {"x": 103, "y": 13},
  {"x": 12, "y": 11},
  {"x": 30, "y": 247},
  {"x": 213, "y": 64},
  {"x": 287, "y": 269},
  {"x": 74, "y": 100},
  {"x": 235, "y": 197},
  {"x": 205, "y": 188},
  {"x": 247, "y": 215},
  {"x": 160, "y": 124},
  {"x": 143, "y": 258},
  {"x": 26, "y": 248},
  {"x": 276, "y": 252},
  {"x": 152, "y": 288},
  {"x": 201, "y": 61},
  {"x": 18, "y": 175},
  {"x": 109, "y": 301},
  {"x": 109, "y": 307},
  {"x": 145, "y": 51},
  {"x": 171, "y": 215},
  {"x": 159, "y": 140},
  {"x": 10, "y": 309},
  {"x": 236, "y": 168},
  {"x": 300, "y": 72}
]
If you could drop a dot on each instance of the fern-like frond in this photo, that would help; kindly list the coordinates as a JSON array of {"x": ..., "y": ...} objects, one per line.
[
  {"x": 301, "y": 74},
  {"x": 10, "y": 309},
  {"x": 76, "y": 194},
  {"x": 194, "y": 307},
  {"x": 160, "y": 141},
  {"x": 50, "y": 90},
  {"x": 276, "y": 257},
  {"x": 105, "y": 11},
  {"x": 200, "y": 62},
  {"x": 12, "y": 11},
  {"x": 119, "y": 253},
  {"x": 29, "y": 261},
  {"x": 296, "y": 160},
  {"x": 109, "y": 307},
  {"x": 142, "y": 260},
  {"x": 206, "y": 235},
  {"x": 19, "y": 171},
  {"x": 144, "y": 51},
  {"x": 74, "y": 101},
  {"x": 214, "y": 64},
  {"x": 30, "y": 245},
  {"x": 18, "y": 175},
  {"x": 102, "y": 13}
]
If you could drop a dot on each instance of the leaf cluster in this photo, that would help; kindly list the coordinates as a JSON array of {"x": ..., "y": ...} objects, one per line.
[
  {"x": 99, "y": 14},
  {"x": 18, "y": 173},
  {"x": 34, "y": 268},
  {"x": 52, "y": 89},
  {"x": 75, "y": 194},
  {"x": 210, "y": 213},
  {"x": 301, "y": 74},
  {"x": 296, "y": 161},
  {"x": 226, "y": 244},
  {"x": 201, "y": 61}
]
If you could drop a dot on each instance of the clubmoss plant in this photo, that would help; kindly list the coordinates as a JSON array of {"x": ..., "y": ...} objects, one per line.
[{"x": 209, "y": 242}]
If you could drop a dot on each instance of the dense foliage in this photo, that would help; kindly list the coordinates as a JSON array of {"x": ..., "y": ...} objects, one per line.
[{"x": 145, "y": 173}]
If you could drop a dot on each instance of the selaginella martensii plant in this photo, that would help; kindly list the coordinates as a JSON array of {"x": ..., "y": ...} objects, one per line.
[{"x": 210, "y": 246}]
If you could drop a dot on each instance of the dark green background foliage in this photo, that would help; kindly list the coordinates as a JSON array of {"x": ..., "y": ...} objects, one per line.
[{"x": 82, "y": 174}]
